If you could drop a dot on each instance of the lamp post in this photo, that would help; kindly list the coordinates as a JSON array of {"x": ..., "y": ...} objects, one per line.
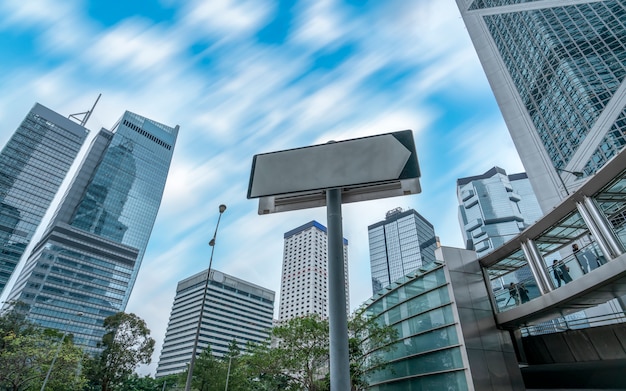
[
  {"x": 230, "y": 361},
  {"x": 56, "y": 354},
  {"x": 577, "y": 174},
  {"x": 192, "y": 362}
]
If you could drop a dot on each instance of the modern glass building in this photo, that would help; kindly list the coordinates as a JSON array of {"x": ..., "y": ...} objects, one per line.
[
  {"x": 85, "y": 266},
  {"x": 304, "y": 281},
  {"x": 401, "y": 243},
  {"x": 428, "y": 354},
  {"x": 33, "y": 164},
  {"x": 557, "y": 70},
  {"x": 495, "y": 207},
  {"x": 446, "y": 335},
  {"x": 235, "y": 310}
]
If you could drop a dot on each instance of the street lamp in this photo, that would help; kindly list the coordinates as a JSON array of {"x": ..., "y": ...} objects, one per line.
[
  {"x": 577, "y": 174},
  {"x": 192, "y": 362},
  {"x": 54, "y": 359}
]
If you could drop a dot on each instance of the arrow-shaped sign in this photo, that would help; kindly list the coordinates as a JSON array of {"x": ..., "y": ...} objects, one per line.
[{"x": 362, "y": 161}]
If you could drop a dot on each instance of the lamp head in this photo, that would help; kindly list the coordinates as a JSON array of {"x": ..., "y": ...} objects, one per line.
[
  {"x": 578, "y": 174},
  {"x": 222, "y": 208}
]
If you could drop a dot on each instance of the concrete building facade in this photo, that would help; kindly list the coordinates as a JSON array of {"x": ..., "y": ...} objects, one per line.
[
  {"x": 495, "y": 207},
  {"x": 234, "y": 310},
  {"x": 304, "y": 281}
]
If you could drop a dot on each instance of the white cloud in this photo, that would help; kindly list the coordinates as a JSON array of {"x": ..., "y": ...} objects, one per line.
[
  {"x": 320, "y": 23},
  {"x": 225, "y": 18},
  {"x": 133, "y": 45}
]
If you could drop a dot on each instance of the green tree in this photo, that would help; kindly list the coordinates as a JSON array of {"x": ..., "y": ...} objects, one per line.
[
  {"x": 209, "y": 372},
  {"x": 66, "y": 372},
  {"x": 22, "y": 360},
  {"x": 299, "y": 357},
  {"x": 134, "y": 382},
  {"x": 366, "y": 335},
  {"x": 237, "y": 373},
  {"x": 27, "y": 351},
  {"x": 126, "y": 344}
]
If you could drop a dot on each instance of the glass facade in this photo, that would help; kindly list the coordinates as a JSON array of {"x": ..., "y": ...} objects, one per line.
[
  {"x": 566, "y": 250},
  {"x": 33, "y": 164},
  {"x": 611, "y": 144},
  {"x": 557, "y": 70},
  {"x": 495, "y": 207},
  {"x": 566, "y": 63},
  {"x": 400, "y": 244},
  {"x": 427, "y": 354},
  {"x": 495, "y": 3},
  {"x": 84, "y": 268}
]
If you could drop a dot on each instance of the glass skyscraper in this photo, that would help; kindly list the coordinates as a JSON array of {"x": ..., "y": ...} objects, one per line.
[
  {"x": 85, "y": 266},
  {"x": 557, "y": 69},
  {"x": 33, "y": 164},
  {"x": 495, "y": 207},
  {"x": 400, "y": 244}
]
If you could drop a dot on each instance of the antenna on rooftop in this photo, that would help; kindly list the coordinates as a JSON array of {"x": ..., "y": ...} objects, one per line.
[{"x": 85, "y": 114}]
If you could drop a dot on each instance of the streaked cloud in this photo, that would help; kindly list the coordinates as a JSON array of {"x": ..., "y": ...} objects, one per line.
[{"x": 333, "y": 71}]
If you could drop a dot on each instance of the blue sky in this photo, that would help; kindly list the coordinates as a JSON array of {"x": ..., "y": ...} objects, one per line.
[{"x": 248, "y": 77}]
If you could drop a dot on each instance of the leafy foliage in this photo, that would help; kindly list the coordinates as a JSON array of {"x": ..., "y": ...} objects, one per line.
[
  {"x": 27, "y": 352},
  {"x": 367, "y": 335},
  {"x": 127, "y": 344},
  {"x": 299, "y": 359},
  {"x": 137, "y": 383}
]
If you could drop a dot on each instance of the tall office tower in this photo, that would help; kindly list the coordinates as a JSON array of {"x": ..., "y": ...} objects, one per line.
[
  {"x": 86, "y": 263},
  {"x": 557, "y": 70},
  {"x": 495, "y": 207},
  {"x": 33, "y": 164},
  {"x": 235, "y": 310},
  {"x": 400, "y": 244},
  {"x": 304, "y": 283}
]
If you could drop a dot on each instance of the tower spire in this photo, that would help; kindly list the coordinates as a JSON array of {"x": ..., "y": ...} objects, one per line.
[{"x": 85, "y": 114}]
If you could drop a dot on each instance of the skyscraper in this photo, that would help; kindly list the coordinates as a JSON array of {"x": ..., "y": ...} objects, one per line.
[
  {"x": 557, "y": 70},
  {"x": 85, "y": 266},
  {"x": 304, "y": 283},
  {"x": 33, "y": 164},
  {"x": 235, "y": 310},
  {"x": 400, "y": 244},
  {"x": 495, "y": 207}
]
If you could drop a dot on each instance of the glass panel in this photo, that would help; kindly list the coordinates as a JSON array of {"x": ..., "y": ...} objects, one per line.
[
  {"x": 611, "y": 201},
  {"x": 427, "y": 363}
]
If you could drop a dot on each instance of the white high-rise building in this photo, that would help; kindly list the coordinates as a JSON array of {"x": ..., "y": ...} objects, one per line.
[
  {"x": 304, "y": 284},
  {"x": 234, "y": 310},
  {"x": 495, "y": 207},
  {"x": 558, "y": 72}
]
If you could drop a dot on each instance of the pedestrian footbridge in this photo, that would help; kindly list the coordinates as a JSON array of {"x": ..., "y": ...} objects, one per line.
[{"x": 573, "y": 259}]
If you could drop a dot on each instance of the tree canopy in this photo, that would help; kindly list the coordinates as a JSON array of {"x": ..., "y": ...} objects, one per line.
[
  {"x": 28, "y": 351},
  {"x": 126, "y": 344}
]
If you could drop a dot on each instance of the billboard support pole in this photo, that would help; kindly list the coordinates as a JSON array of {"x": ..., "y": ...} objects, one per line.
[{"x": 337, "y": 317}]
